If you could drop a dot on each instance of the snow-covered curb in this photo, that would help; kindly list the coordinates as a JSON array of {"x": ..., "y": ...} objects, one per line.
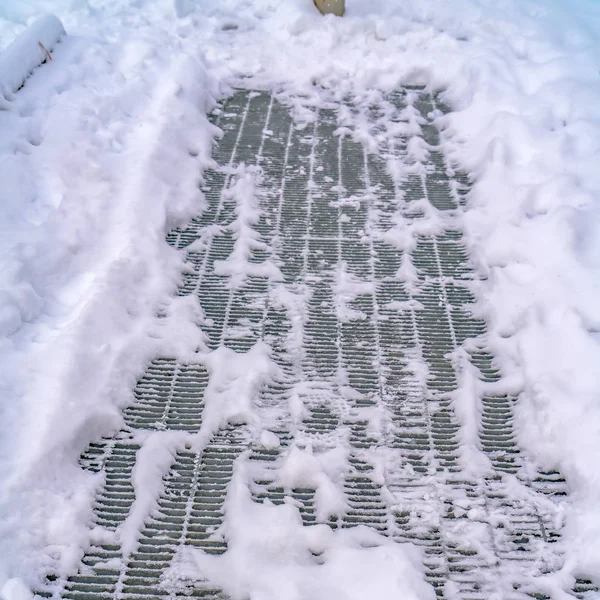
[{"x": 28, "y": 51}]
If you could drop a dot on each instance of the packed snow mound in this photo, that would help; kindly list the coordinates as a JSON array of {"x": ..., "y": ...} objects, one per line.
[{"x": 28, "y": 51}]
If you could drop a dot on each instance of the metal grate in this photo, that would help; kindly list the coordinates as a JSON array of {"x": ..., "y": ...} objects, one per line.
[{"x": 326, "y": 206}]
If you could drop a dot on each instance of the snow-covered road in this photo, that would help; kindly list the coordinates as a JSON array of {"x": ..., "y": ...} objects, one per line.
[{"x": 334, "y": 336}]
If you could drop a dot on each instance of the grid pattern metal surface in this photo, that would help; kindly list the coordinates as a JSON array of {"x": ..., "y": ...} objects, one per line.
[{"x": 327, "y": 206}]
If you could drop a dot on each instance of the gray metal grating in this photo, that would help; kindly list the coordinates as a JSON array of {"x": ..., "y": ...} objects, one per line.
[{"x": 326, "y": 205}]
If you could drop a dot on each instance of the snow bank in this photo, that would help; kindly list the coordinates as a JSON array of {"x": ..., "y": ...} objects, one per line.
[
  {"x": 521, "y": 78},
  {"x": 100, "y": 155},
  {"x": 28, "y": 51}
]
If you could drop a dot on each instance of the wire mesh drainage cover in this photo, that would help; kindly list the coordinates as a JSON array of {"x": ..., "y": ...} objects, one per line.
[{"x": 359, "y": 283}]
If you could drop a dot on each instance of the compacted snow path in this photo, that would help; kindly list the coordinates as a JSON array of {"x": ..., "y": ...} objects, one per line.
[{"x": 345, "y": 381}]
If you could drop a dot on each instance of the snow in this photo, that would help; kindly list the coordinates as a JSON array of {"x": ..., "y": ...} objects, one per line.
[
  {"x": 467, "y": 406},
  {"x": 272, "y": 555},
  {"x": 322, "y": 472},
  {"x": 236, "y": 379},
  {"x": 244, "y": 192},
  {"x": 85, "y": 270},
  {"x": 347, "y": 288},
  {"x": 153, "y": 458},
  {"x": 27, "y": 52},
  {"x": 101, "y": 154}
]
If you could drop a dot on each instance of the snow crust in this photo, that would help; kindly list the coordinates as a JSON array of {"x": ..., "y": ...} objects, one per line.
[{"x": 101, "y": 154}]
